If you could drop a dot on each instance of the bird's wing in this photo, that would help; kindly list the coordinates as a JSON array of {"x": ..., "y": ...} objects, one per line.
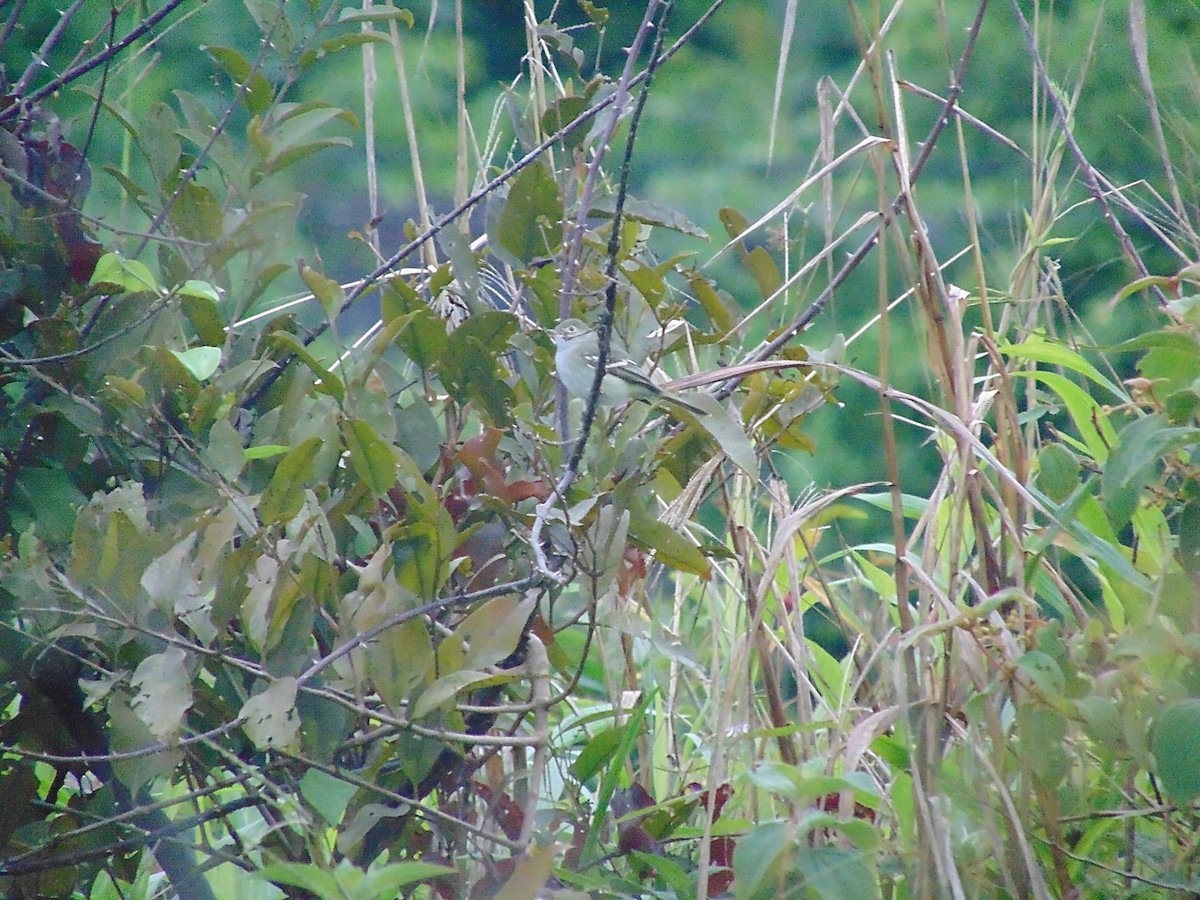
[{"x": 627, "y": 370}]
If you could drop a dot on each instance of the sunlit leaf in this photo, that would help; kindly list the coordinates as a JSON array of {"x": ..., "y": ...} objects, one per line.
[
  {"x": 164, "y": 692},
  {"x": 270, "y": 716},
  {"x": 202, "y": 362},
  {"x": 129, "y": 274}
]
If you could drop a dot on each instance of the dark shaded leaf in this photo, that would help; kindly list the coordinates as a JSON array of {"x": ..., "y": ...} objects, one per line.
[{"x": 530, "y": 223}]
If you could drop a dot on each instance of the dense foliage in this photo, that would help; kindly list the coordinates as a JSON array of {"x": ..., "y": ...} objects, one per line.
[{"x": 314, "y": 583}]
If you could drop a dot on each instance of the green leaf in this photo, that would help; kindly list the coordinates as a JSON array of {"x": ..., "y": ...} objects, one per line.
[
  {"x": 631, "y": 730},
  {"x": 371, "y": 457},
  {"x": 596, "y": 753},
  {"x": 805, "y": 790},
  {"x": 735, "y": 223},
  {"x": 200, "y": 289},
  {"x": 297, "y": 152},
  {"x": 259, "y": 93},
  {"x": 224, "y": 451},
  {"x": 266, "y": 451},
  {"x": 1058, "y": 472},
  {"x": 1043, "y": 731},
  {"x": 202, "y": 362},
  {"x": 197, "y": 214},
  {"x": 326, "y": 290},
  {"x": 1090, "y": 419},
  {"x": 718, "y": 305},
  {"x": 602, "y": 552},
  {"x": 159, "y": 139},
  {"x": 1037, "y": 349},
  {"x": 377, "y": 14},
  {"x": 399, "y": 660},
  {"x": 469, "y": 366},
  {"x": 284, "y": 494},
  {"x": 1102, "y": 721},
  {"x": 597, "y": 15},
  {"x": 1043, "y": 671},
  {"x": 204, "y": 316},
  {"x": 764, "y": 271},
  {"x": 1176, "y": 737},
  {"x": 465, "y": 267},
  {"x": 647, "y": 212},
  {"x": 727, "y": 432},
  {"x": 418, "y": 433},
  {"x": 561, "y": 113},
  {"x": 530, "y": 223},
  {"x": 832, "y": 873},
  {"x": 669, "y": 547},
  {"x": 1189, "y": 537},
  {"x": 761, "y": 862},
  {"x": 128, "y": 733},
  {"x": 326, "y": 794},
  {"x": 328, "y": 381},
  {"x": 758, "y": 261},
  {"x": 342, "y": 42},
  {"x": 1134, "y": 461},
  {"x": 492, "y": 632},
  {"x": 133, "y": 276},
  {"x": 170, "y": 575},
  {"x": 1171, "y": 356},
  {"x": 302, "y": 875},
  {"x": 424, "y": 340},
  {"x": 445, "y": 689},
  {"x": 387, "y": 881},
  {"x": 49, "y": 500}
]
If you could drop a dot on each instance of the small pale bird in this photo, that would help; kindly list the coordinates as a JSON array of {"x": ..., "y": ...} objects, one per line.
[{"x": 577, "y": 349}]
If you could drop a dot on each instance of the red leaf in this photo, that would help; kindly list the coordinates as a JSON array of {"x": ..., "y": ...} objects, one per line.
[{"x": 504, "y": 809}]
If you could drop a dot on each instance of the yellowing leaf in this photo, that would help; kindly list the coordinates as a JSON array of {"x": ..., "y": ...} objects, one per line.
[
  {"x": 399, "y": 660},
  {"x": 445, "y": 689},
  {"x": 669, "y": 546},
  {"x": 164, "y": 692},
  {"x": 492, "y": 632},
  {"x": 271, "y": 717}
]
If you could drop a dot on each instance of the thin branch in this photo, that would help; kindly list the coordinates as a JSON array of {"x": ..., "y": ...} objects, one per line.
[
  {"x": 604, "y": 324},
  {"x": 25, "y": 104},
  {"x": 40, "y": 55},
  {"x": 468, "y": 204},
  {"x": 1090, "y": 177},
  {"x": 26, "y": 864},
  {"x": 802, "y": 321}
]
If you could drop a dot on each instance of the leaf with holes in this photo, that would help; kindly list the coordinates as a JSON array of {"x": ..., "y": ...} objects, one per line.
[{"x": 270, "y": 716}]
